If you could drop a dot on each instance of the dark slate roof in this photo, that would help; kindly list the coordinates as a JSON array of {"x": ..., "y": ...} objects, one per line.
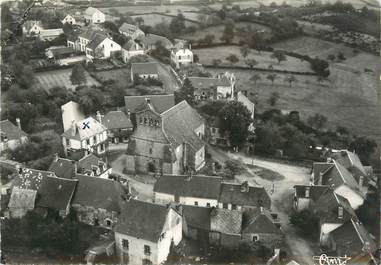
[
  {"x": 144, "y": 68},
  {"x": 87, "y": 161},
  {"x": 350, "y": 239},
  {"x": 339, "y": 175},
  {"x": 116, "y": 120},
  {"x": 197, "y": 217},
  {"x": 226, "y": 221},
  {"x": 327, "y": 207},
  {"x": 179, "y": 124},
  {"x": 196, "y": 186},
  {"x": 63, "y": 168},
  {"x": 22, "y": 198},
  {"x": 208, "y": 82},
  {"x": 142, "y": 220},
  {"x": 256, "y": 196},
  {"x": 319, "y": 167},
  {"x": 160, "y": 103},
  {"x": 11, "y": 131},
  {"x": 58, "y": 51},
  {"x": 98, "y": 193},
  {"x": 131, "y": 45},
  {"x": 56, "y": 193},
  {"x": 152, "y": 39},
  {"x": 315, "y": 191},
  {"x": 258, "y": 221},
  {"x": 31, "y": 178},
  {"x": 96, "y": 41}
]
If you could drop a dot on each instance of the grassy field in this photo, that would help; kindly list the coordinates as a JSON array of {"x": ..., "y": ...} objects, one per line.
[
  {"x": 56, "y": 78},
  {"x": 154, "y": 19},
  {"x": 169, "y": 9},
  {"x": 264, "y": 59},
  {"x": 265, "y": 173}
]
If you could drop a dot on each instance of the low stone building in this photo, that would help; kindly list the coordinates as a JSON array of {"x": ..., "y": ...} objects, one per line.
[
  {"x": 93, "y": 166},
  {"x": 63, "y": 167},
  {"x": 119, "y": 126},
  {"x": 144, "y": 71}
]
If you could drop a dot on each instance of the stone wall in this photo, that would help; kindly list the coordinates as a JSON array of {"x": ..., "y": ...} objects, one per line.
[{"x": 92, "y": 216}]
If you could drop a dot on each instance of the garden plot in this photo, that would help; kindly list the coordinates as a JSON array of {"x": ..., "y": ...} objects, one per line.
[{"x": 154, "y": 19}]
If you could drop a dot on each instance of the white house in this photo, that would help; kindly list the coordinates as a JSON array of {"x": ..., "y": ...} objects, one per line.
[
  {"x": 93, "y": 15},
  {"x": 221, "y": 87},
  {"x": 69, "y": 19},
  {"x": 130, "y": 49},
  {"x": 130, "y": 30},
  {"x": 181, "y": 57},
  {"x": 11, "y": 135},
  {"x": 188, "y": 190},
  {"x": 71, "y": 111},
  {"x": 32, "y": 27},
  {"x": 145, "y": 231},
  {"x": 101, "y": 47}
]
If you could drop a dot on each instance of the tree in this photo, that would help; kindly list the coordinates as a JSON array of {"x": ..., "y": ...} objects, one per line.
[
  {"x": 271, "y": 77},
  {"x": 139, "y": 21},
  {"x": 274, "y": 98},
  {"x": 177, "y": 24},
  {"x": 320, "y": 67},
  {"x": 78, "y": 75},
  {"x": 251, "y": 62},
  {"x": 306, "y": 221},
  {"x": 228, "y": 34},
  {"x": 317, "y": 121},
  {"x": 279, "y": 56},
  {"x": 341, "y": 56},
  {"x": 209, "y": 38},
  {"x": 320, "y": 79},
  {"x": 216, "y": 62},
  {"x": 186, "y": 92},
  {"x": 364, "y": 147},
  {"x": 290, "y": 79},
  {"x": 232, "y": 58},
  {"x": 255, "y": 78},
  {"x": 235, "y": 119},
  {"x": 233, "y": 168},
  {"x": 91, "y": 100},
  {"x": 111, "y": 26},
  {"x": 245, "y": 50}
]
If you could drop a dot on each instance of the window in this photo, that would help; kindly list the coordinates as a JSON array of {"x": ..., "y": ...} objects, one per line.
[
  {"x": 145, "y": 121},
  {"x": 102, "y": 147},
  {"x": 179, "y": 57},
  {"x": 150, "y": 122},
  {"x": 341, "y": 212},
  {"x": 196, "y": 203},
  {"x": 95, "y": 139},
  {"x": 225, "y": 205},
  {"x": 88, "y": 141},
  {"x": 68, "y": 142},
  {"x": 141, "y": 120},
  {"x": 111, "y": 45},
  {"x": 125, "y": 244},
  {"x": 213, "y": 130},
  {"x": 108, "y": 222},
  {"x": 307, "y": 192},
  {"x": 234, "y": 207},
  {"x": 255, "y": 238},
  {"x": 156, "y": 123},
  {"x": 177, "y": 220},
  {"x": 147, "y": 250},
  {"x": 208, "y": 204}
]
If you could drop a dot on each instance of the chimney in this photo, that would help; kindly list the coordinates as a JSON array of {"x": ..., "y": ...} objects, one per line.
[
  {"x": 245, "y": 187},
  {"x": 55, "y": 157},
  {"x": 18, "y": 122},
  {"x": 99, "y": 116}
]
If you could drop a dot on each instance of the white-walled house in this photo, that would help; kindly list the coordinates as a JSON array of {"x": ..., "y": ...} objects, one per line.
[
  {"x": 69, "y": 19},
  {"x": 32, "y": 27},
  {"x": 145, "y": 231},
  {"x": 130, "y": 49},
  {"x": 101, "y": 47},
  {"x": 93, "y": 15},
  {"x": 187, "y": 189},
  {"x": 130, "y": 30},
  {"x": 181, "y": 57}
]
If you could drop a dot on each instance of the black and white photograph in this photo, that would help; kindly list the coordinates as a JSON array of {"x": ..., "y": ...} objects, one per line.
[{"x": 190, "y": 132}]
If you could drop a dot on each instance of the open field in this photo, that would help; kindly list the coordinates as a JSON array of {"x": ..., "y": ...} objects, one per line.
[
  {"x": 345, "y": 98},
  {"x": 154, "y": 19},
  {"x": 145, "y": 9},
  {"x": 264, "y": 59},
  {"x": 61, "y": 78},
  {"x": 240, "y": 30}
]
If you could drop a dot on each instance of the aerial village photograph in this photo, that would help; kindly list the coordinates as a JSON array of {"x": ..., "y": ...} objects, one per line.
[{"x": 183, "y": 132}]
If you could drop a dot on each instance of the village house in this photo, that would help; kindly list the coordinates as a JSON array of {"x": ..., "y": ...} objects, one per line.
[
  {"x": 145, "y": 232},
  {"x": 215, "y": 134},
  {"x": 220, "y": 87},
  {"x": 50, "y": 34},
  {"x": 119, "y": 126},
  {"x": 51, "y": 192},
  {"x": 102, "y": 47},
  {"x": 96, "y": 200},
  {"x": 87, "y": 135},
  {"x": 63, "y": 167},
  {"x": 160, "y": 103},
  {"x": 353, "y": 240},
  {"x": 150, "y": 42},
  {"x": 243, "y": 196},
  {"x": 93, "y": 166},
  {"x": 181, "y": 57},
  {"x": 69, "y": 19},
  {"x": 130, "y": 49},
  {"x": 188, "y": 190},
  {"x": 168, "y": 142},
  {"x": 305, "y": 196},
  {"x": 131, "y": 31},
  {"x": 11, "y": 135},
  {"x": 32, "y": 28},
  {"x": 335, "y": 175},
  {"x": 94, "y": 16},
  {"x": 144, "y": 71}
]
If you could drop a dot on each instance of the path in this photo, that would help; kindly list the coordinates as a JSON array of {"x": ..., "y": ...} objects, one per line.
[
  {"x": 170, "y": 82},
  {"x": 281, "y": 198}
]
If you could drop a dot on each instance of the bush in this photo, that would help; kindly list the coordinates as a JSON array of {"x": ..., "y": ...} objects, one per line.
[{"x": 306, "y": 221}]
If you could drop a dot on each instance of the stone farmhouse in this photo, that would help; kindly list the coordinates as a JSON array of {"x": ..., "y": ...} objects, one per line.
[
  {"x": 33, "y": 28},
  {"x": 130, "y": 30},
  {"x": 94, "y": 16},
  {"x": 11, "y": 136},
  {"x": 145, "y": 232},
  {"x": 166, "y": 141},
  {"x": 144, "y": 71}
]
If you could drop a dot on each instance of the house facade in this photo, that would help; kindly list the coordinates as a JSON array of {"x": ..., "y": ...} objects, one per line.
[
  {"x": 144, "y": 71},
  {"x": 11, "y": 136},
  {"x": 101, "y": 47},
  {"x": 94, "y": 16},
  {"x": 68, "y": 19},
  {"x": 131, "y": 31},
  {"x": 167, "y": 143},
  {"x": 130, "y": 49},
  {"x": 32, "y": 28},
  {"x": 145, "y": 232},
  {"x": 93, "y": 166},
  {"x": 181, "y": 57}
]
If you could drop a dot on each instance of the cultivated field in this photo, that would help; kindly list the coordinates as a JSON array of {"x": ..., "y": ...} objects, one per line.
[
  {"x": 60, "y": 78},
  {"x": 154, "y": 19},
  {"x": 264, "y": 59},
  {"x": 169, "y": 9}
]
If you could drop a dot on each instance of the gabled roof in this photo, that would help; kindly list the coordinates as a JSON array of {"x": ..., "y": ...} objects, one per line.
[
  {"x": 315, "y": 191},
  {"x": 339, "y": 175},
  {"x": 352, "y": 239},
  {"x": 319, "y": 168},
  {"x": 160, "y": 103},
  {"x": 226, "y": 221},
  {"x": 86, "y": 162},
  {"x": 125, "y": 27},
  {"x": 22, "y": 198},
  {"x": 208, "y": 82},
  {"x": 152, "y": 39},
  {"x": 31, "y": 178},
  {"x": 80, "y": 132},
  {"x": 11, "y": 131},
  {"x": 96, "y": 41},
  {"x": 142, "y": 220},
  {"x": 30, "y": 23},
  {"x": 98, "y": 193},
  {"x": 116, "y": 119},
  {"x": 179, "y": 125},
  {"x": 197, "y": 217},
  {"x": 349, "y": 160},
  {"x": 196, "y": 186},
  {"x": 63, "y": 168},
  {"x": 131, "y": 45},
  {"x": 144, "y": 68},
  {"x": 90, "y": 33},
  {"x": 91, "y": 11},
  {"x": 58, "y": 51},
  {"x": 258, "y": 221},
  {"x": 255, "y": 196}
]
